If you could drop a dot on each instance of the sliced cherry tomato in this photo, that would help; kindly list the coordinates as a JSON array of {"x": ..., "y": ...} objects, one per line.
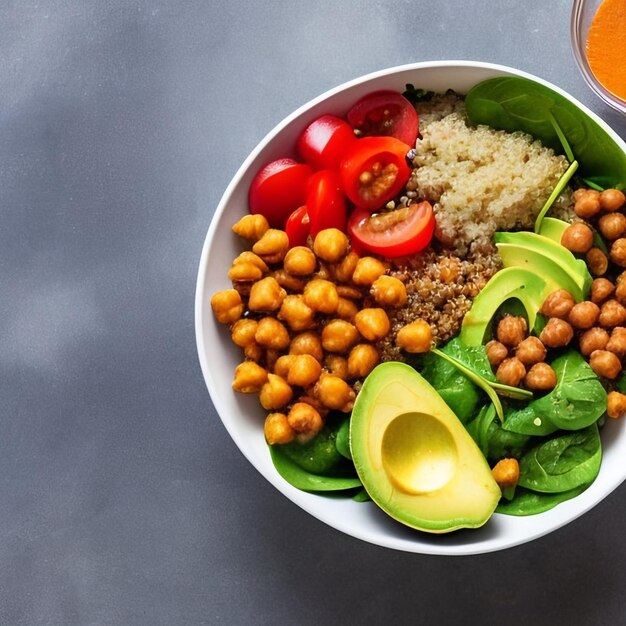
[
  {"x": 278, "y": 189},
  {"x": 298, "y": 227},
  {"x": 324, "y": 141},
  {"x": 326, "y": 202},
  {"x": 374, "y": 170},
  {"x": 395, "y": 233},
  {"x": 385, "y": 113}
]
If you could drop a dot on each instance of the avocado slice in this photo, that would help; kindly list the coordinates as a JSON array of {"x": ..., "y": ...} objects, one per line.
[
  {"x": 415, "y": 458},
  {"x": 548, "y": 249},
  {"x": 553, "y": 228},
  {"x": 511, "y": 282}
]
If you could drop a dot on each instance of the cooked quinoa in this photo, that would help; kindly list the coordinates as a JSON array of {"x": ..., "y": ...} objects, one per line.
[
  {"x": 440, "y": 288},
  {"x": 478, "y": 179}
]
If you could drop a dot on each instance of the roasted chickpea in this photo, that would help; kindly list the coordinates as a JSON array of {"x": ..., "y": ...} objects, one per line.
[
  {"x": 415, "y": 337},
  {"x": 496, "y": 352},
  {"x": 601, "y": 289},
  {"x": 584, "y": 315},
  {"x": 586, "y": 202},
  {"x": 304, "y": 419},
  {"x": 506, "y": 472},
  {"x": 615, "y": 405},
  {"x": 389, "y": 291},
  {"x": 337, "y": 365},
  {"x": 620, "y": 289},
  {"x": 556, "y": 333},
  {"x": 618, "y": 252},
  {"x": 367, "y": 270},
  {"x": 299, "y": 261},
  {"x": 227, "y": 306},
  {"x": 266, "y": 295},
  {"x": 248, "y": 256},
  {"x": 531, "y": 351},
  {"x": 345, "y": 268},
  {"x": 307, "y": 343},
  {"x": 540, "y": 377},
  {"x": 372, "y": 323},
  {"x": 612, "y": 199},
  {"x": 612, "y": 225},
  {"x": 558, "y": 304},
  {"x": 271, "y": 356},
  {"x": 362, "y": 360},
  {"x": 254, "y": 352},
  {"x": 605, "y": 363},
  {"x": 244, "y": 272},
  {"x": 251, "y": 227},
  {"x": 276, "y": 393},
  {"x": 449, "y": 268},
  {"x": 304, "y": 370},
  {"x": 597, "y": 262},
  {"x": 282, "y": 365},
  {"x": 270, "y": 333},
  {"x": 272, "y": 246},
  {"x": 249, "y": 377},
  {"x": 511, "y": 372},
  {"x": 242, "y": 332},
  {"x": 334, "y": 393},
  {"x": 593, "y": 339},
  {"x": 339, "y": 336},
  {"x": 287, "y": 281},
  {"x": 277, "y": 429},
  {"x": 577, "y": 237},
  {"x": 323, "y": 272},
  {"x": 617, "y": 342},
  {"x": 349, "y": 292},
  {"x": 330, "y": 244},
  {"x": 346, "y": 309},
  {"x": 511, "y": 330},
  {"x": 296, "y": 313},
  {"x": 612, "y": 313},
  {"x": 321, "y": 295}
]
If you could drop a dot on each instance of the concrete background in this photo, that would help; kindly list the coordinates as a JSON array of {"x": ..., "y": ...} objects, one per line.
[{"x": 122, "y": 498}]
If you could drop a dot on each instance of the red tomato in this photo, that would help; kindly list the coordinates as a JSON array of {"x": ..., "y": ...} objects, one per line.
[
  {"x": 374, "y": 170},
  {"x": 278, "y": 189},
  {"x": 396, "y": 233},
  {"x": 326, "y": 202},
  {"x": 385, "y": 113},
  {"x": 324, "y": 141},
  {"x": 298, "y": 227}
]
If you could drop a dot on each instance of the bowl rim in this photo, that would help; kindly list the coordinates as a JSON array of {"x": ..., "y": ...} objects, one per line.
[
  {"x": 578, "y": 43},
  {"x": 201, "y": 303}
]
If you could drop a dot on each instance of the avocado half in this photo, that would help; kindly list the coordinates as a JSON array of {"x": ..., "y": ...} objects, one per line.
[{"x": 415, "y": 458}]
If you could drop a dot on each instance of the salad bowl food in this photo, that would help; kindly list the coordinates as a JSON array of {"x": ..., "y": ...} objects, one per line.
[{"x": 242, "y": 415}]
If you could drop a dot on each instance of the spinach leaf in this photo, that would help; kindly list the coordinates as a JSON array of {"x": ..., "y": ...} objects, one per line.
[
  {"x": 342, "y": 442},
  {"x": 319, "y": 455},
  {"x": 563, "y": 462},
  {"x": 526, "y": 502},
  {"x": 577, "y": 401},
  {"x": 511, "y": 103},
  {"x": 308, "y": 481},
  {"x": 414, "y": 95},
  {"x": 457, "y": 391},
  {"x": 495, "y": 442}
]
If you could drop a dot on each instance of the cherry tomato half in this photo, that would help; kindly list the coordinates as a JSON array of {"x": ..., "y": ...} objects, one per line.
[
  {"x": 278, "y": 189},
  {"x": 323, "y": 142},
  {"x": 385, "y": 113},
  {"x": 326, "y": 202},
  {"x": 396, "y": 233},
  {"x": 298, "y": 227},
  {"x": 374, "y": 170}
]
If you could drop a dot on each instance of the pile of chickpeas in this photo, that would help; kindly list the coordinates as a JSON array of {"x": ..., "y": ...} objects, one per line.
[
  {"x": 598, "y": 325},
  {"x": 308, "y": 320}
]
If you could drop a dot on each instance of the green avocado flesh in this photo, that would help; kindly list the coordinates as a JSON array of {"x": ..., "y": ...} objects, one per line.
[
  {"x": 415, "y": 458},
  {"x": 549, "y": 259},
  {"x": 511, "y": 282}
]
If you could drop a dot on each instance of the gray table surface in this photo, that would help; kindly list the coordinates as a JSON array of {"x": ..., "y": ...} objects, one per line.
[{"x": 122, "y": 498}]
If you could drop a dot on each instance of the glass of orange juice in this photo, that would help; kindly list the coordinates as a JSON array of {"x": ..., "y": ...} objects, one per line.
[{"x": 598, "y": 31}]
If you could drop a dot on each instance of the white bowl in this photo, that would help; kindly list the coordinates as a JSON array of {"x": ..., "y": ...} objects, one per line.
[{"x": 242, "y": 415}]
